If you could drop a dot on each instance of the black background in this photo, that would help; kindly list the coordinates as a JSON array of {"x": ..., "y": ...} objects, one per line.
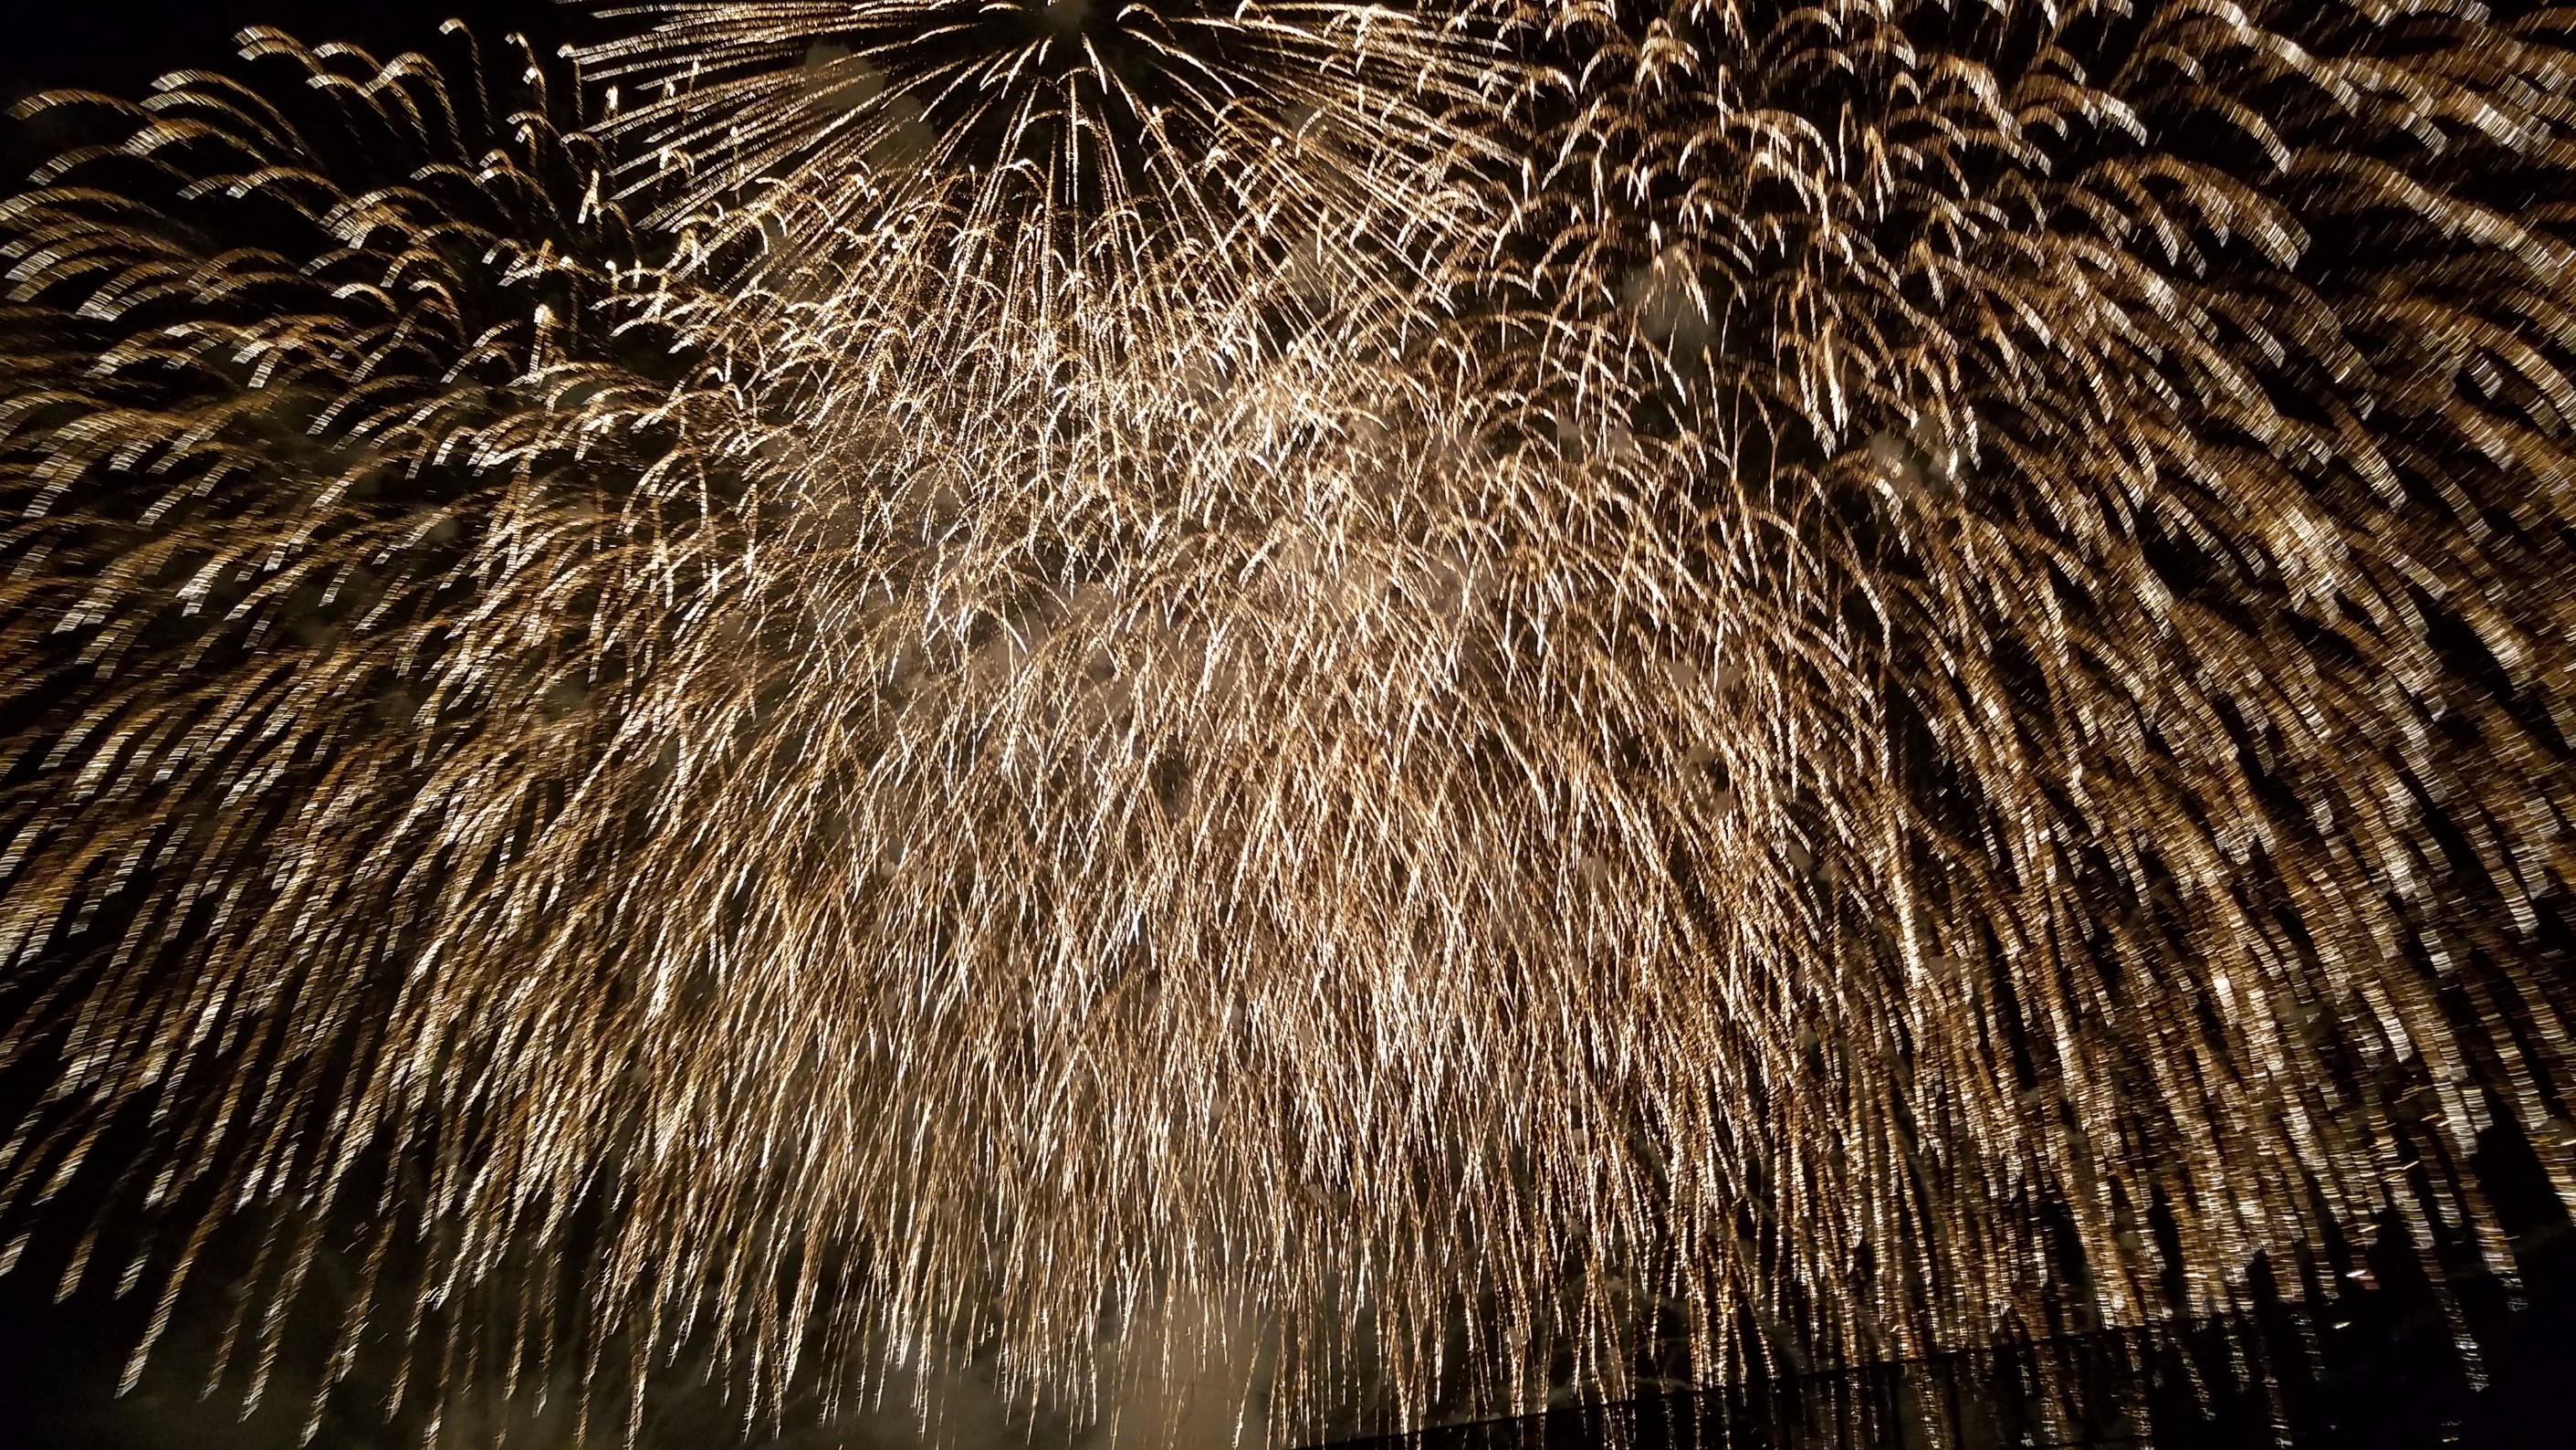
[{"x": 120, "y": 45}]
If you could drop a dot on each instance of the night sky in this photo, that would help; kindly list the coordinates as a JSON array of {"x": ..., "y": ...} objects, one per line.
[{"x": 120, "y": 45}]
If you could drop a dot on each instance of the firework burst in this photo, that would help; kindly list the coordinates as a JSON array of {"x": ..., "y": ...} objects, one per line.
[
  {"x": 965, "y": 189},
  {"x": 338, "y": 428},
  {"x": 1852, "y": 654},
  {"x": 2157, "y": 413}
]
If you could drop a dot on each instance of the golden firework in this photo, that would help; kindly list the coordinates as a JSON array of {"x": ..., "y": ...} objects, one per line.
[
  {"x": 964, "y": 188},
  {"x": 1682, "y": 685}
]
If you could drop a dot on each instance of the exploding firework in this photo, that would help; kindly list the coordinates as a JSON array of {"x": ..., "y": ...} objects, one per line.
[
  {"x": 1910, "y": 688},
  {"x": 2156, "y": 417},
  {"x": 339, "y": 435},
  {"x": 971, "y": 188}
]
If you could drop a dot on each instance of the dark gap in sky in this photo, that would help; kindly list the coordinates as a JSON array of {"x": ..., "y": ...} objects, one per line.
[{"x": 118, "y": 46}]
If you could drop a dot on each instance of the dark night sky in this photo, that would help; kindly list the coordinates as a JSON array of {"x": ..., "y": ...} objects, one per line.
[{"x": 120, "y": 45}]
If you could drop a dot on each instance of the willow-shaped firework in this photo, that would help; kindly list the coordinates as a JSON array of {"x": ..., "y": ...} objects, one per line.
[
  {"x": 1927, "y": 637},
  {"x": 2155, "y": 420},
  {"x": 340, "y": 447}
]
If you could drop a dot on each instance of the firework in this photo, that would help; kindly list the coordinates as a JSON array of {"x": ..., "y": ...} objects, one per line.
[
  {"x": 965, "y": 190},
  {"x": 339, "y": 432},
  {"x": 2158, "y": 416},
  {"x": 1927, "y": 651}
]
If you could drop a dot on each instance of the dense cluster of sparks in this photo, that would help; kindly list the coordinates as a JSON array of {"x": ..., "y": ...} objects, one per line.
[{"x": 1486, "y": 695}]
